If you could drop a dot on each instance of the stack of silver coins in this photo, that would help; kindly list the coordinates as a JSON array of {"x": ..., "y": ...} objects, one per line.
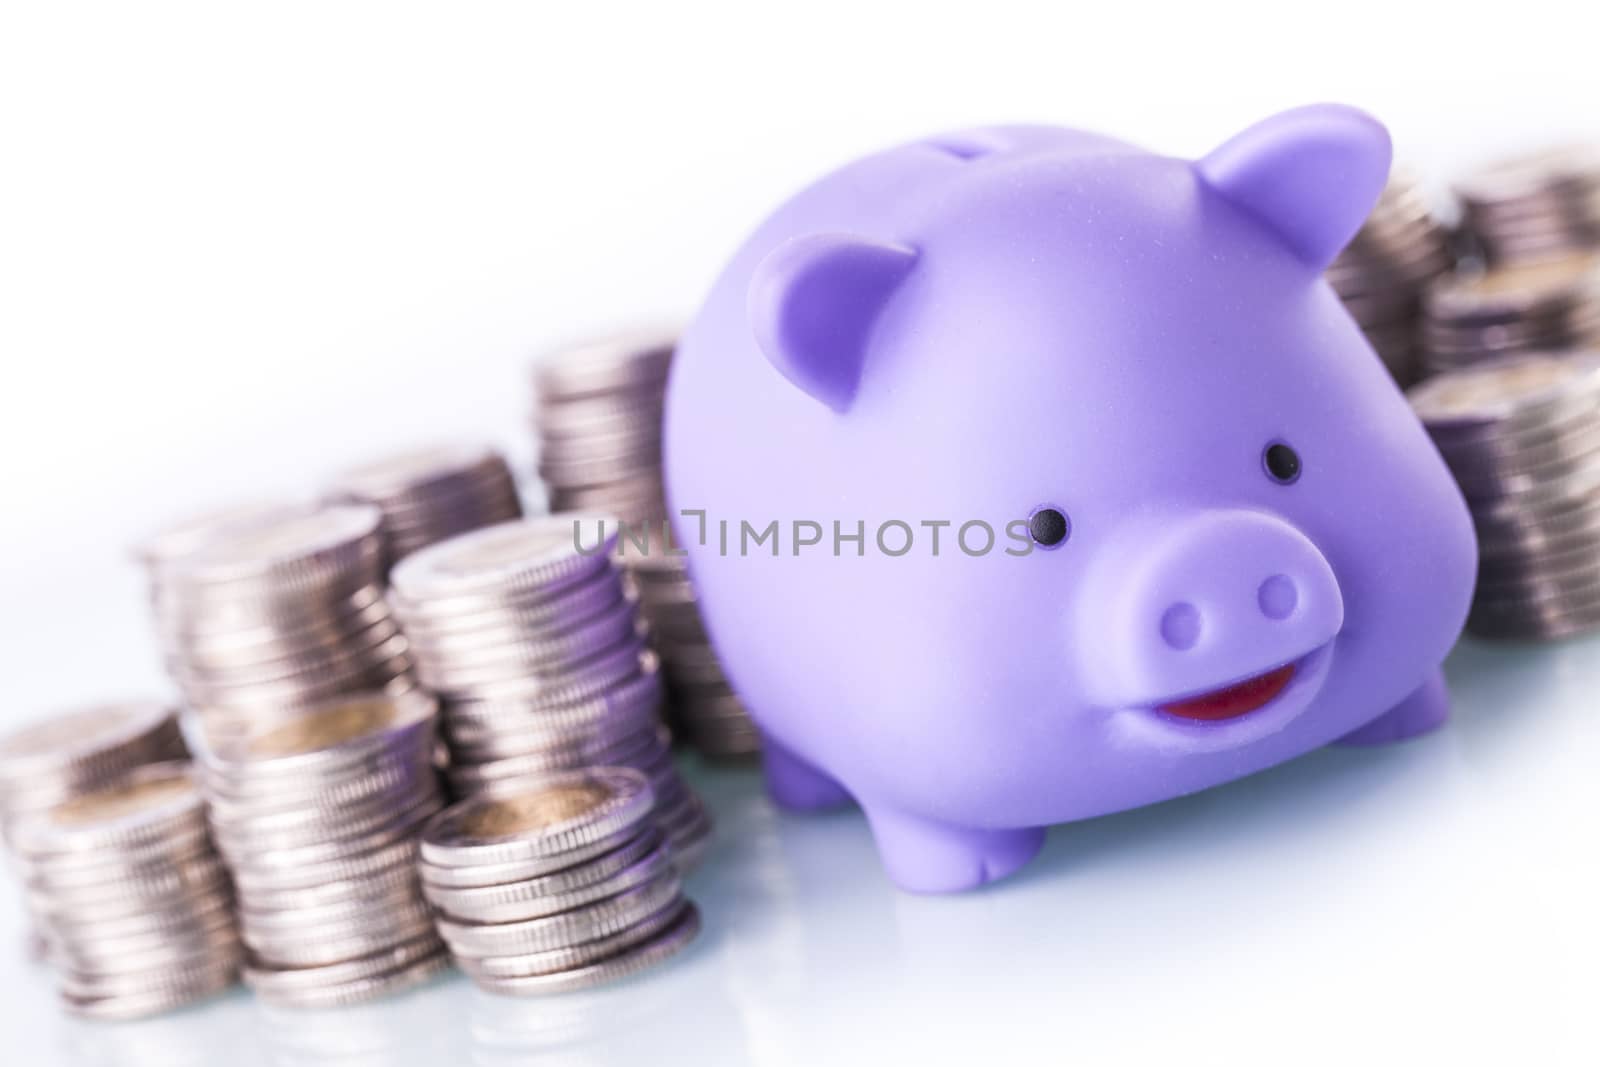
[
  {"x": 599, "y": 420},
  {"x": 706, "y": 710},
  {"x": 430, "y": 494},
  {"x": 1535, "y": 207},
  {"x": 137, "y": 905},
  {"x": 318, "y": 818},
  {"x": 527, "y": 636},
  {"x": 1521, "y": 434},
  {"x": 80, "y": 751},
  {"x": 1526, "y": 307},
  {"x": 274, "y": 610},
  {"x": 565, "y": 885},
  {"x": 1381, "y": 275}
]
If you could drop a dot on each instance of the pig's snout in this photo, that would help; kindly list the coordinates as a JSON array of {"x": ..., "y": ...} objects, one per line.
[{"x": 1209, "y": 613}]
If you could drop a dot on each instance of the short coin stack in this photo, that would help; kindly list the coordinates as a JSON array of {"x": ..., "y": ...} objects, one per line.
[
  {"x": 599, "y": 422},
  {"x": 1381, "y": 275},
  {"x": 1535, "y": 207},
  {"x": 138, "y": 906},
  {"x": 1522, "y": 436},
  {"x": 79, "y": 751},
  {"x": 525, "y": 633},
  {"x": 1529, "y": 307},
  {"x": 278, "y": 610},
  {"x": 318, "y": 817},
  {"x": 431, "y": 494},
  {"x": 565, "y": 885}
]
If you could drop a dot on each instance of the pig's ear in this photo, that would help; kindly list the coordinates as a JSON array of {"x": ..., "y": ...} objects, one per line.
[
  {"x": 812, "y": 303},
  {"x": 1311, "y": 174}
]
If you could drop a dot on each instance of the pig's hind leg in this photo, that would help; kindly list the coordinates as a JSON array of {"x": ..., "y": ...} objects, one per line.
[
  {"x": 1418, "y": 713},
  {"x": 797, "y": 785},
  {"x": 930, "y": 857}
]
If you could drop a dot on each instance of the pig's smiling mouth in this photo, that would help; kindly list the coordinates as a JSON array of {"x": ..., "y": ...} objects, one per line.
[
  {"x": 1236, "y": 712},
  {"x": 1231, "y": 701}
]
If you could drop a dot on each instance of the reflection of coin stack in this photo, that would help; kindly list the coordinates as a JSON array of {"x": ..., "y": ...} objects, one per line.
[
  {"x": 565, "y": 885},
  {"x": 1380, "y": 276},
  {"x": 317, "y": 817},
  {"x": 1522, "y": 308},
  {"x": 1541, "y": 206},
  {"x": 138, "y": 906},
  {"x": 1521, "y": 434},
  {"x": 279, "y": 609},
  {"x": 539, "y": 658},
  {"x": 431, "y": 494},
  {"x": 599, "y": 425}
]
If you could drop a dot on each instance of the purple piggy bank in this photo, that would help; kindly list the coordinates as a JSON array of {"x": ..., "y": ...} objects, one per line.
[{"x": 1028, "y": 476}]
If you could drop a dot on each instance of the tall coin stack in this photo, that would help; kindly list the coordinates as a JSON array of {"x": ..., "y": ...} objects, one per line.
[
  {"x": 1527, "y": 307},
  {"x": 599, "y": 420},
  {"x": 565, "y": 885},
  {"x": 431, "y": 494},
  {"x": 1521, "y": 434},
  {"x": 1381, "y": 275},
  {"x": 138, "y": 906},
  {"x": 276, "y": 610},
  {"x": 539, "y": 658},
  {"x": 318, "y": 818},
  {"x": 1535, "y": 207}
]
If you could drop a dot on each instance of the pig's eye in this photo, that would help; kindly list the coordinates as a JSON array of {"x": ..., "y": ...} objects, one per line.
[
  {"x": 1281, "y": 462},
  {"x": 1049, "y": 526}
]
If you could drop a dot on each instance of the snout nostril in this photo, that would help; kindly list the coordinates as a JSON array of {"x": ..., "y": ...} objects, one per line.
[
  {"x": 1180, "y": 625},
  {"x": 1278, "y": 597}
]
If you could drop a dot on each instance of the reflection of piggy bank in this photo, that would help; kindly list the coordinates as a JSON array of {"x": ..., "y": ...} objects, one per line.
[{"x": 1216, "y": 536}]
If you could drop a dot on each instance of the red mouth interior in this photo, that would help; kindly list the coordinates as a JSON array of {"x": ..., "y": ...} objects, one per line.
[{"x": 1235, "y": 700}]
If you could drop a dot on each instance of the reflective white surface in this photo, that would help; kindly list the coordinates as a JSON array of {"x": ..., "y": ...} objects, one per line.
[{"x": 1436, "y": 897}]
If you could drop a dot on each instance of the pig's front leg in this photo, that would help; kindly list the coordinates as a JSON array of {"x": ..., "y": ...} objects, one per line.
[
  {"x": 1418, "y": 713},
  {"x": 931, "y": 857},
  {"x": 797, "y": 785}
]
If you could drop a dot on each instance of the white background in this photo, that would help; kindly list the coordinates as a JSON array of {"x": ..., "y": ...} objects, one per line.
[{"x": 242, "y": 245}]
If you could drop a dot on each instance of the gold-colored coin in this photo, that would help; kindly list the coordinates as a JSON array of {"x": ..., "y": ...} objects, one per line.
[
  {"x": 345, "y": 721},
  {"x": 536, "y": 811},
  {"x": 121, "y": 801}
]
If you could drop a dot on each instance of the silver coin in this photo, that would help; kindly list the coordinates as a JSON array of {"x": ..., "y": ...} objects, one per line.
[
  {"x": 323, "y": 946},
  {"x": 554, "y": 961},
  {"x": 268, "y": 981},
  {"x": 299, "y": 551},
  {"x": 145, "y": 806},
  {"x": 631, "y": 360},
  {"x": 630, "y": 961},
  {"x": 563, "y": 813},
  {"x": 420, "y": 471},
  {"x": 545, "y": 553},
  {"x": 331, "y": 738},
  {"x": 640, "y": 861},
  {"x": 545, "y": 656},
  {"x": 85, "y": 744},
  {"x": 336, "y": 873},
  {"x": 570, "y": 683},
  {"x": 509, "y": 872},
  {"x": 601, "y": 918}
]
